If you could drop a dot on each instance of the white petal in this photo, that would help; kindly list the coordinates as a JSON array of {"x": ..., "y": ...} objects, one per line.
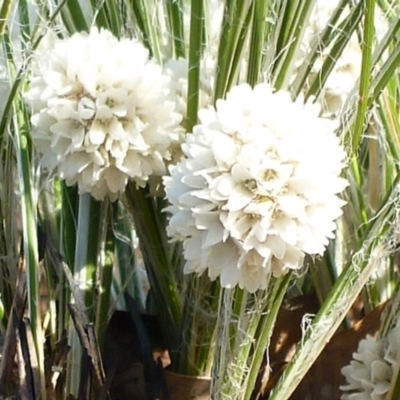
[
  {"x": 277, "y": 246},
  {"x": 97, "y": 133},
  {"x": 86, "y": 108},
  {"x": 239, "y": 198}
]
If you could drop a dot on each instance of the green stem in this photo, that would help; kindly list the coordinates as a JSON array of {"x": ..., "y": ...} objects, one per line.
[
  {"x": 154, "y": 246},
  {"x": 175, "y": 18},
  {"x": 69, "y": 216},
  {"x": 278, "y": 289},
  {"x": 345, "y": 30},
  {"x": 115, "y": 17},
  {"x": 101, "y": 19},
  {"x": 234, "y": 29},
  {"x": 85, "y": 264},
  {"x": 319, "y": 45},
  {"x": 196, "y": 27},
  {"x": 299, "y": 20},
  {"x": 365, "y": 78},
  {"x": 105, "y": 273},
  {"x": 384, "y": 75},
  {"x": 257, "y": 40},
  {"x": 394, "y": 392},
  {"x": 4, "y": 13},
  {"x": 137, "y": 14},
  {"x": 69, "y": 207},
  {"x": 92, "y": 256}
]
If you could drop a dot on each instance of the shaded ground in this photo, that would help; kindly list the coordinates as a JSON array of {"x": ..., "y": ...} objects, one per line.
[{"x": 132, "y": 374}]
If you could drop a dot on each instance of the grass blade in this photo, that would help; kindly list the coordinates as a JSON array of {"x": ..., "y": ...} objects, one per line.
[{"x": 29, "y": 221}]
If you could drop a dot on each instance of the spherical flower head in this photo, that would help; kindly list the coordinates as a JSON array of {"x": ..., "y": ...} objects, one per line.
[
  {"x": 258, "y": 187},
  {"x": 101, "y": 115},
  {"x": 369, "y": 374}
]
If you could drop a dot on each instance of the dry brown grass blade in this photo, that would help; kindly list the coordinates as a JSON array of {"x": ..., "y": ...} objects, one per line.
[
  {"x": 27, "y": 361},
  {"x": 19, "y": 341},
  {"x": 7, "y": 366},
  {"x": 89, "y": 343},
  {"x": 23, "y": 389},
  {"x": 56, "y": 365}
]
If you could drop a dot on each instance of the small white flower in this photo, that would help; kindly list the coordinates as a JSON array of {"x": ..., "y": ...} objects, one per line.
[
  {"x": 369, "y": 374},
  {"x": 101, "y": 112},
  {"x": 258, "y": 187}
]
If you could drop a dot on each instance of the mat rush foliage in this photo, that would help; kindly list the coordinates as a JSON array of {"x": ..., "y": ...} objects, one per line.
[{"x": 197, "y": 166}]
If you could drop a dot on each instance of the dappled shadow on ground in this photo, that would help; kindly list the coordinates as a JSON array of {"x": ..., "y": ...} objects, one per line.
[{"x": 324, "y": 378}]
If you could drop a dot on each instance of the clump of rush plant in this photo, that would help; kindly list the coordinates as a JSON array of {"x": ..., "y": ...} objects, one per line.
[{"x": 241, "y": 153}]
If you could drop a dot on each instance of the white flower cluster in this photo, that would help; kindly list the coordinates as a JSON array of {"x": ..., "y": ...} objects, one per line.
[
  {"x": 101, "y": 112},
  {"x": 258, "y": 187},
  {"x": 347, "y": 69},
  {"x": 370, "y": 372}
]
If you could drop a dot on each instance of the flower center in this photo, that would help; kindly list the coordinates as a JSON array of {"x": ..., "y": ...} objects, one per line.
[
  {"x": 270, "y": 175},
  {"x": 264, "y": 199},
  {"x": 250, "y": 184}
]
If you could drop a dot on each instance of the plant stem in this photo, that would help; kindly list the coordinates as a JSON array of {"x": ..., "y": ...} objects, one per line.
[
  {"x": 196, "y": 27},
  {"x": 365, "y": 77},
  {"x": 276, "y": 293},
  {"x": 257, "y": 40}
]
